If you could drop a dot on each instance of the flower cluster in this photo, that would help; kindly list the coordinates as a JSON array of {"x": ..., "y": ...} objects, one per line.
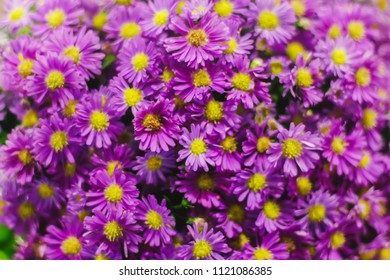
[{"x": 196, "y": 129}]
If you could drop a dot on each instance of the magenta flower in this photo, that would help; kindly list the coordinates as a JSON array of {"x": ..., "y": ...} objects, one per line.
[
  {"x": 270, "y": 248},
  {"x": 157, "y": 17},
  {"x": 46, "y": 196},
  {"x": 16, "y": 14}
]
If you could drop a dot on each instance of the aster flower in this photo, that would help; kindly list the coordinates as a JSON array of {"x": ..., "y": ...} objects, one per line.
[
  {"x": 196, "y": 9},
  {"x": 54, "y": 14},
  {"x": 278, "y": 66},
  {"x": 55, "y": 78},
  {"x": 157, "y": 220},
  {"x": 156, "y": 126},
  {"x": 370, "y": 120},
  {"x": 46, "y": 196},
  {"x": 82, "y": 48},
  {"x": 274, "y": 21},
  {"x": 67, "y": 242},
  {"x": 206, "y": 244},
  {"x": 296, "y": 149},
  {"x": 358, "y": 22},
  {"x": 195, "y": 149},
  {"x": 197, "y": 43},
  {"x": 137, "y": 61},
  {"x": 97, "y": 121},
  {"x": 225, "y": 153},
  {"x": 275, "y": 215},
  {"x": 16, "y": 14},
  {"x": 114, "y": 231},
  {"x": 300, "y": 186},
  {"x": 270, "y": 248},
  {"x": 230, "y": 11},
  {"x": 231, "y": 219},
  {"x": 112, "y": 193}
]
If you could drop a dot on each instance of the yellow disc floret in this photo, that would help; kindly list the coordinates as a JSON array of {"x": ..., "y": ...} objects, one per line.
[
  {"x": 317, "y": 213},
  {"x": 161, "y": 18},
  {"x": 236, "y": 213},
  {"x": 304, "y": 185},
  {"x": 370, "y": 118},
  {"x": 129, "y": 30},
  {"x": 26, "y": 210},
  {"x": 257, "y": 182},
  {"x": 55, "y": 18},
  {"x": 70, "y": 109},
  {"x": 205, "y": 182},
  {"x": 214, "y": 111},
  {"x": 59, "y": 140},
  {"x": 167, "y": 75},
  {"x": 232, "y": 46},
  {"x": 154, "y": 220},
  {"x": 16, "y": 14},
  {"x": 113, "y": 231},
  {"x": 268, "y": 20},
  {"x": 25, "y": 157},
  {"x": 55, "y": 80},
  {"x": 99, "y": 20},
  {"x": 356, "y": 30},
  {"x": 276, "y": 67},
  {"x": 223, "y": 8},
  {"x": 229, "y": 144},
  {"x": 198, "y": 147},
  {"x": 271, "y": 210},
  {"x": 30, "y": 119},
  {"x": 363, "y": 77},
  {"x": 154, "y": 163},
  {"x": 263, "y": 144},
  {"x": 262, "y": 254},
  {"x": 45, "y": 191},
  {"x": 365, "y": 209},
  {"x": 304, "y": 78},
  {"x": 140, "y": 61},
  {"x": 201, "y": 78},
  {"x": 71, "y": 246},
  {"x": 291, "y": 148},
  {"x": 132, "y": 96},
  {"x": 241, "y": 81},
  {"x": 339, "y": 56},
  {"x": 202, "y": 249},
  {"x": 73, "y": 53},
  {"x": 338, "y": 145},
  {"x": 294, "y": 49},
  {"x": 114, "y": 193},
  {"x": 99, "y": 121},
  {"x": 334, "y": 31},
  {"x": 337, "y": 240},
  {"x": 197, "y": 37},
  {"x": 25, "y": 67},
  {"x": 365, "y": 161},
  {"x": 152, "y": 121},
  {"x": 299, "y": 7}
]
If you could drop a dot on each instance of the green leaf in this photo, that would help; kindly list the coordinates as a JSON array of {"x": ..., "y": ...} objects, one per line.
[
  {"x": 3, "y": 137},
  {"x": 108, "y": 60},
  {"x": 5, "y": 234},
  {"x": 24, "y": 31}
]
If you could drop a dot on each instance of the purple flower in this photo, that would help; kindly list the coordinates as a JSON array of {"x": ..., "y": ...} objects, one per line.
[
  {"x": 158, "y": 222},
  {"x": 157, "y": 17},
  {"x": 270, "y": 248},
  {"x": 46, "y": 196},
  {"x": 274, "y": 216},
  {"x": 205, "y": 244},
  {"x": 225, "y": 153},
  {"x": 16, "y": 14}
]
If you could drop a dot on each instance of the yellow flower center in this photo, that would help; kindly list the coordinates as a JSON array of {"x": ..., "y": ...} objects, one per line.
[
  {"x": 304, "y": 78},
  {"x": 262, "y": 254},
  {"x": 365, "y": 161},
  {"x": 337, "y": 240},
  {"x": 317, "y": 213},
  {"x": 16, "y": 14},
  {"x": 167, "y": 75},
  {"x": 102, "y": 257},
  {"x": 25, "y": 67},
  {"x": 198, "y": 147},
  {"x": 236, "y": 213},
  {"x": 356, "y": 30},
  {"x": 232, "y": 43},
  {"x": 294, "y": 49},
  {"x": 271, "y": 210},
  {"x": 197, "y": 37},
  {"x": 363, "y": 77},
  {"x": 58, "y": 140},
  {"x": 154, "y": 220},
  {"x": 25, "y": 157},
  {"x": 339, "y": 56},
  {"x": 140, "y": 61},
  {"x": 152, "y": 122},
  {"x": 304, "y": 185},
  {"x": 229, "y": 144},
  {"x": 180, "y": 6},
  {"x": 2, "y": 204},
  {"x": 298, "y": 7},
  {"x": 73, "y": 53},
  {"x": 71, "y": 246},
  {"x": 369, "y": 119},
  {"x": 129, "y": 30},
  {"x": 111, "y": 166},
  {"x": 161, "y": 18},
  {"x": 132, "y": 96},
  {"x": 263, "y": 144},
  {"x": 45, "y": 191},
  {"x": 334, "y": 31},
  {"x": 124, "y": 2},
  {"x": 241, "y": 81},
  {"x": 70, "y": 109},
  {"x": 99, "y": 20},
  {"x": 113, "y": 231},
  {"x": 202, "y": 249},
  {"x": 154, "y": 163},
  {"x": 384, "y": 254},
  {"x": 55, "y": 18},
  {"x": 365, "y": 209},
  {"x": 30, "y": 119},
  {"x": 201, "y": 78},
  {"x": 382, "y": 4},
  {"x": 276, "y": 67},
  {"x": 55, "y": 80},
  {"x": 291, "y": 148},
  {"x": 257, "y": 182},
  {"x": 70, "y": 169},
  {"x": 223, "y": 8},
  {"x": 113, "y": 193},
  {"x": 214, "y": 111},
  {"x": 99, "y": 121},
  {"x": 26, "y": 210},
  {"x": 338, "y": 145},
  {"x": 205, "y": 182},
  {"x": 268, "y": 20}
]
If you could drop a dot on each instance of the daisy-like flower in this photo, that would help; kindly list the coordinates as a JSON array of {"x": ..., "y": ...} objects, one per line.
[
  {"x": 82, "y": 48},
  {"x": 343, "y": 151},
  {"x": 301, "y": 185},
  {"x": 318, "y": 211},
  {"x": 157, "y": 17},
  {"x": 16, "y": 14},
  {"x": 205, "y": 244},
  {"x": 117, "y": 230},
  {"x": 275, "y": 215},
  {"x": 359, "y": 22},
  {"x": 370, "y": 120},
  {"x": 225, "y": 153},
  {"x": 17, "y": 156},
  {"x": 112, "y": 193},
  {"x": 156, "y": 126},
  {"x": 270, "y": 248},
  {"x": 97, "y": 121},
  {"x": 230, "y": 11},
  {"x": 195, "y": 149},
  {"x": 66, "y": 242},
  {"x": 328, "y": 24},
  {"x": 368, "y": 170},
  {"x": 274, "y": 21},
  {"x": 46, "y": 196},
  {"x": 231, "y": 219},
  {"x": 196, "y": 9},
  {"x": 197, "y": 43},
  {"x": 55, "y": 78},
  {"x": 153, "y": 167},
  {"x": 158, "y": 222},
  {"x": 137, "y": 61},
  {"x": 254, "y": 186},
  {"x": 296, "y": 149},
  {"x": 195, "y": 84},
  {"x": 54, "y": 140},
  {"x": 123, "y": 25},
  {"x": 54, "y": 14},
  {"x": 339, "y": 56}
]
